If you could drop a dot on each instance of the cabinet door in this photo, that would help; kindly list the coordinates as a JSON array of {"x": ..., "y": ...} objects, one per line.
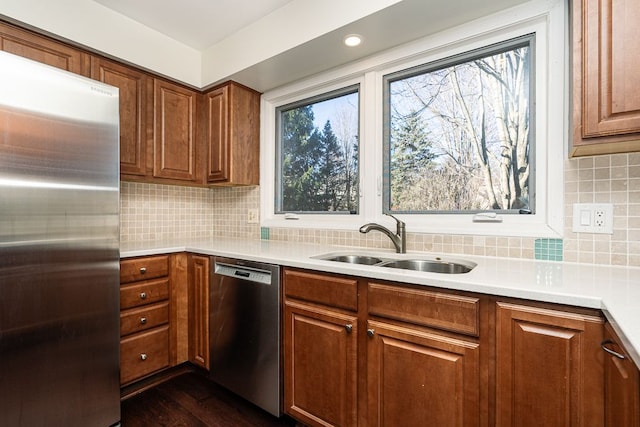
[
  {"x": 421, "y": 379},
  {"x": 42, "y": 49},
  {"x": 622, "y": 385},
  {"x": 175, "y": 147},
  {"x": 606, "y": 85},
  {"x": 134, "y": 93},
  {"x": 320, "y": 365},
  {"x": 199, "y": 310},
  {"x": 549, "y": 368},
  {"x": 233, "y": 135},
  {"x": 217, "y": 135}
]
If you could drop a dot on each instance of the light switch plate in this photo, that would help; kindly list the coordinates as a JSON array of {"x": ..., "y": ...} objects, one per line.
[{"x": 593, "y": 218}]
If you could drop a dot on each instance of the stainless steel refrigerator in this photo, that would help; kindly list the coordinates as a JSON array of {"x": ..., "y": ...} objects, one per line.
[{"x": 59, "y": 248}]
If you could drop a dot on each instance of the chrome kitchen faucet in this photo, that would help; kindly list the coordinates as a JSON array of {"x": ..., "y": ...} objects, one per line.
[{"x": 399, "y": 239}]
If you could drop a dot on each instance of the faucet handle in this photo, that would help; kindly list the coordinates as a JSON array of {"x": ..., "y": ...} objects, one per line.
[{"x": 398, "y": 222}]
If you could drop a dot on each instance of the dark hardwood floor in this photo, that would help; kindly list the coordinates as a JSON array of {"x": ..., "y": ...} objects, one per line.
[{"x": 190, "y": 400}]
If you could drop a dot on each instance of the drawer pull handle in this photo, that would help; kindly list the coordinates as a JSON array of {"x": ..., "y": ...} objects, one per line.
[
  {"x": 348, "y": 328},
  {"x": 143, "y": 356},
  {"x": 143, "y": 295},
  {"x": 143, "y": 320},
  {"x": 143, "y": 270},
  {"x": 370, "y": 333},
  {"x": 614, "y": 353}
]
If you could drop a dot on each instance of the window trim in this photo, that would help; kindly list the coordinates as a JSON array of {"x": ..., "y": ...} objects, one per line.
[{"x": 546, "y": 18}]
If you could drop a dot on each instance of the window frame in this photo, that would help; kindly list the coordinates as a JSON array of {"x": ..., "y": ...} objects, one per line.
[
  {"x": 348, "y": 90},
  {"x": 528, "y": 40},
  {"x": 547, "y": 19}
]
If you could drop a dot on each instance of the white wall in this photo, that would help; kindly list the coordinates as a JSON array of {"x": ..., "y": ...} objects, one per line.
[{"x": 97, "y": 27}]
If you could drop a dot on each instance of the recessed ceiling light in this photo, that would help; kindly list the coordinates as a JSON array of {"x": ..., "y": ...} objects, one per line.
[{"x": 352, "y": 40}]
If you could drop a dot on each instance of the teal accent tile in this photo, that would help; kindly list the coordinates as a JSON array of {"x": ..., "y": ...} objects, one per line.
[
  {"x": 548, "y": 249},
  {"x": 264, "y": 233}
]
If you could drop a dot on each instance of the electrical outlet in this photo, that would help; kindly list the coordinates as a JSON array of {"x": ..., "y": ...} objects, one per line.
[
  {"x": 593, "y": 218},
  {"x": 252, "y": 216}
]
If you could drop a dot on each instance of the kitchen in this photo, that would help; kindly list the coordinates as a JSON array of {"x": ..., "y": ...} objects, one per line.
[{"x": 173, "y": 213}]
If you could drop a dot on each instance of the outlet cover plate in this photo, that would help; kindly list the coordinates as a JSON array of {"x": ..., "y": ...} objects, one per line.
[
  {"x": 252, "y": 216},
  {"x": 593, "y": 218}
]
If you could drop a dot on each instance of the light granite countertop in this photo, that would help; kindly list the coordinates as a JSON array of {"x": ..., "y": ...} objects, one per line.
[{"x": 613, "y": 289}]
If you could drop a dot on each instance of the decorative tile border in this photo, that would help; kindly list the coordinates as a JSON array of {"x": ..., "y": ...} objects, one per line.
[{"x": 548, "y": 249}]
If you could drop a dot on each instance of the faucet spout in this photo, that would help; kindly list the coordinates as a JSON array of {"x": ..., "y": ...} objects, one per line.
[{"x": 399, "y": 239}]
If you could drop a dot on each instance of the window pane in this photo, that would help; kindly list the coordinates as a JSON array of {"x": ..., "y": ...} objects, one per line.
[
  {"x": 458, "y": 137},
  {"x": 318, "y": 154}
]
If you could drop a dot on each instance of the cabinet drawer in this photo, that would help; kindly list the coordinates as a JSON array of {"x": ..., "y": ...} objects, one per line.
[
  {"x": 423, "y": 307},
  {"x": 141, "y": 319},
  {"x": 143, "y": 293},
  {"x": 144, "y": 353},
  {"x": 135, "y": 269},
  {"x": 322, "y": 289}
]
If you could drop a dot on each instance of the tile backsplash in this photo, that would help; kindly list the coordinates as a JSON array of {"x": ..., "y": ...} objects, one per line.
[{"x": 150, "y": 211}]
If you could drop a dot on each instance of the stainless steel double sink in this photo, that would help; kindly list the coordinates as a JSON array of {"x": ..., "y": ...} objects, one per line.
[{"x": 406, "y": 262}]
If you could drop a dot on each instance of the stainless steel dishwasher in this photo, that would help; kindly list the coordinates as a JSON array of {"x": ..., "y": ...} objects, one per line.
[{"x": 245, "y": 330}]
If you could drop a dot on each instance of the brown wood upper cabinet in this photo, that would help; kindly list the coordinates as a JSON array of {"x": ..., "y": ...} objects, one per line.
[
  {"x": 169, "y": 133},
  {"x": 606, "y": 87},
  {"x": 136, "y": 96},
  {"x": 42, "y": 49},
  {"x": 232, "y": 135},
  {"x": 175, "y": 146}
]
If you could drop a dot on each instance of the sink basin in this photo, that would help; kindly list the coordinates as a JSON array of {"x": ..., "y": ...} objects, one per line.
[
  {"x": 355, "y": 259},
  {"x": 432, "y": 265},
  {"x": 429, "y": 266}
]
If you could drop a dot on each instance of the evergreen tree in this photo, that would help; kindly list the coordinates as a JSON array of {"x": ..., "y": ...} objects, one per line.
[
  {"x": 300, "y": 152},
  {"x": 410, "y": 157},
  {"x": 332, "y": 175}
]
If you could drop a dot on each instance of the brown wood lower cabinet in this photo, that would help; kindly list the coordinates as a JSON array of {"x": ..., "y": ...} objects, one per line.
[
  {"x": 145, "y": 323},
  {"x": 358, "y": 353},
  {"x": 320, "y": 365},
  {"x": 198, "y": 295},
  {"x": 143, "y": 354},
  {"x": 622, "y": 383},
  {"x": 549, "y": 367},
  {"x": 418, "y": 378},
  {"x": 370, "y": 353}
]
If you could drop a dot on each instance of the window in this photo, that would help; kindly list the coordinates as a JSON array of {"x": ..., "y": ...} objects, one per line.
[
  {"x": 458, "y": 133},
  {"x": 467, "y": 120},
  {"x": 317, "y": 145}
]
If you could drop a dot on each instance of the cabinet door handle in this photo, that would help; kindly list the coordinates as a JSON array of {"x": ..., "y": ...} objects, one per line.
[
  {"x": 143, "y": 320},
  {"x": 143, "y": 356},
  {"x": 348, "y": 328},
  {"x": 143, "y": 295},
  {"x": 371, "y": 333},
  {"x": 143, "y": 270},
  {"x": 614, "y": 353}
]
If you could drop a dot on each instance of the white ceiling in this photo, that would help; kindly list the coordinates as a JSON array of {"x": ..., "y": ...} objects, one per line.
[
  {"x": 260, "y": 43},
  {"x": 196, "y": 23}
]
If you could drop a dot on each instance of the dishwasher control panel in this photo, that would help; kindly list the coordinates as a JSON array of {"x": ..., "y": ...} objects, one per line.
[{"x": 244, "y": 273}]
